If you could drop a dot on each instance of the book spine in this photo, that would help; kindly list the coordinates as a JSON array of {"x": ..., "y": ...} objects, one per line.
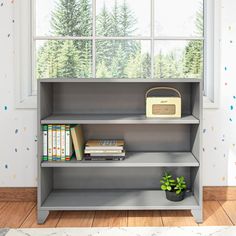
[
  {"x": 63, "y": 142},
  {"x": 54, "y": 143},
  {"x": 58, "y": 134},
  {"x": 68, "y": 143},
  {"x": 50, "y": 146},
  {"x": 45, "y": 142}
]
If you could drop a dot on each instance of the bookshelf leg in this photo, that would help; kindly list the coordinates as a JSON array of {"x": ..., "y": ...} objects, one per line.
[
  {"x": 42, "y": 216},
  {"x": 197, "y": 214}
]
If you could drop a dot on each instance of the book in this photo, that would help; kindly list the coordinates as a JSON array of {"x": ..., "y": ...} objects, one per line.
[
  {"x": 122, "y": 154},
  {"x": 78, "y": 141},
  {"x": 63, "y": 142},
  {"x": 45, "y": 142},
  {"x": 54, "y": 142},
  {"x": 69, "y": 150},
  {"x": 50, "y": 146},
  {"x": 105, "y": 144},
  {"x": 58, "y": 138},
  {"x": 103, "y": 151}
]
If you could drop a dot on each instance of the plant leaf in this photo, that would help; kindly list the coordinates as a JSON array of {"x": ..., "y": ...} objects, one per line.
[{"x": 163, "y": 187}]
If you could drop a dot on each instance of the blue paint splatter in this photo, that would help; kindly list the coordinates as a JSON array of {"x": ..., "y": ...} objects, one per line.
[
  {"x": 231, "y": 107},
  {"x": 16, "y": 131},
  {"x": 204, "y": 131},
  {"x": 6, "y": 166}
]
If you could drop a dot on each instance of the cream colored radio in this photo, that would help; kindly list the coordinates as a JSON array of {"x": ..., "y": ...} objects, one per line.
[{"x": 165, "y": 107}]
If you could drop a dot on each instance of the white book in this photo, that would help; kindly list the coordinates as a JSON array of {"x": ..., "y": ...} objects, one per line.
[
  {"x": 68, "y": 143},
  {"x": 105, "y": 147},
  {"x": 54, "y": 143},
  {"x": 45, "y": 142},
  {"x": 108, "y": 154},
  {"x": 58, "y": 134},
  {"x": 63, "y": 142},
  {"x": 102, "y": 151},
  {"x": 50, "y": 146}
]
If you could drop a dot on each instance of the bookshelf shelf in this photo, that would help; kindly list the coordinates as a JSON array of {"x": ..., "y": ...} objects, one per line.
[
  {"x": 115, "y": 119},
  {"x": 115, "y": 200},
  {"x": 115, "y": 109},
  {"x": 136, "y": 159}
]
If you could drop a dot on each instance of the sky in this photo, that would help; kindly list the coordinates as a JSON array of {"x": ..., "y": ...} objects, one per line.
[{"x": 172, "y": 17}]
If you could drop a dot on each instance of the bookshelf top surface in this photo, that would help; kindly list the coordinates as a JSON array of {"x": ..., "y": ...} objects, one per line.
[{"x": 77, "y": 80}]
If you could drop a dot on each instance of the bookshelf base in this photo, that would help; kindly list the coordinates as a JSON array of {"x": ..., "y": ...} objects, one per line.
[{"x": 115, "y": 200}]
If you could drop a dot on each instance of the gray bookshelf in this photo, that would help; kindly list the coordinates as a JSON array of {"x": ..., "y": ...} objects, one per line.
[{"x": 115, "y": 109}]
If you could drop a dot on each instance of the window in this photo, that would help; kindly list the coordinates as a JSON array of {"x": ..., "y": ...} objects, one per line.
[{"x": 120, "y": 39}]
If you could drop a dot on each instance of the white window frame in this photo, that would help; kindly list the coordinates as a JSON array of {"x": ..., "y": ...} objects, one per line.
[{"x": 25, "y": 97}]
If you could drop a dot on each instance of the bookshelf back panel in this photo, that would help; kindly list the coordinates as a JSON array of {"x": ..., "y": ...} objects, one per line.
[
  {"x": 109, "y": 98},
  {"x": 114, "y": 178},
  {"x": 147, "y": 138}
]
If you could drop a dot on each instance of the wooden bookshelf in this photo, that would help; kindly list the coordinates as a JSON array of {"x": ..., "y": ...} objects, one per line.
[{"x": 115, "y": 109}]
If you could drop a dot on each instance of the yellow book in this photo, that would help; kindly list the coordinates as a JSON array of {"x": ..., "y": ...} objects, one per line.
[{"x": 78, "y": 141}]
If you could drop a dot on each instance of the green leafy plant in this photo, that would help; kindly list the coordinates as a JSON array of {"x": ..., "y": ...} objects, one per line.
[
  {"x": 177, "y": 185},
  {"x": 180, "y": 185},
  {"x": 168, "y": 183}
]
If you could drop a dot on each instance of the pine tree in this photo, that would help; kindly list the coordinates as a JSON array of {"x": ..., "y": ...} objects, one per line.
[
  {"x": 102, "y": 71},
  {"x": 118, "y": 64},
  {"x": 65, "y": 19},
  {"x": 146, "y": 66},
  {"x": 133, "y": 68},
  {"x": 127, "y": 20},
  {"x": 68, "y": 60},
  {"x": 193, "y": 59},
  {"x": 160, "y": 66}
]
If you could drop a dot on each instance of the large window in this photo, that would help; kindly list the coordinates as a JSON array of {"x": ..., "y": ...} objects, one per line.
[
  {"x": 119, "y": 39},
  {"x": 116, "y": 39}
]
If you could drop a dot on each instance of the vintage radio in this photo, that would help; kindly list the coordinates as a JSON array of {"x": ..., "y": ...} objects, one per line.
[{"x": 163, "y": 106}]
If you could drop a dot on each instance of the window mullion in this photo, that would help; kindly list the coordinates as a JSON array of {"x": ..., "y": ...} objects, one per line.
[
  {"x": 152, "y": 39},
  {"x": 93, "y": 38}
]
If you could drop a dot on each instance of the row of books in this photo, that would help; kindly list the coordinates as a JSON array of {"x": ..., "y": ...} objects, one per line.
[
  {"x": 104, "y": 150},
  {"x": 60, "y": 141}
]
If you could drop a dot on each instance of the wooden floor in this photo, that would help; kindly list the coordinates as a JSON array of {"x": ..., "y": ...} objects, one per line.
[{"x": 23, "y": 214}]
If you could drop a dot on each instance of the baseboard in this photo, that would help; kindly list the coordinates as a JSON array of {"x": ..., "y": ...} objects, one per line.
[
  {"x": 30, "y": 194},
  {"x": 18, "y": 194}
]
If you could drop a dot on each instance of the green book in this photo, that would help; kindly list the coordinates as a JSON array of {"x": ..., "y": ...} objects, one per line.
[{"x": 45, "y": 142}]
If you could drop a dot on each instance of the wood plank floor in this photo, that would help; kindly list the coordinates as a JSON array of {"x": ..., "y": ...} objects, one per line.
[{"x": 23, "y": 215}]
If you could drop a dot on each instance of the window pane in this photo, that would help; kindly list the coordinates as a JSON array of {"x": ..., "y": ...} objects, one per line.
[
  {"x": 68, "y": 59},
  {"x": 178, "y": 59},
  {"x": 123, "y": 59},
  {"x": 179, "y": 18},
  {"x": 63, "y": 17},
  {"x": 123, "y": 18}
]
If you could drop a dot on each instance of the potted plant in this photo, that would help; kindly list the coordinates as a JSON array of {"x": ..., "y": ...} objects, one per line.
[{"x": 175, "y": 188}]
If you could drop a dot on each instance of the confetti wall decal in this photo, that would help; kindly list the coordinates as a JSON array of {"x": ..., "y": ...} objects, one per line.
[{"x": 19, "y": 129}]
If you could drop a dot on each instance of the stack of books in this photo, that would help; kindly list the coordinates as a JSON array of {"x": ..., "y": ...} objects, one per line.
[
  {"x": 61, "y": 141},
  {"x": 103, "y": 150}
]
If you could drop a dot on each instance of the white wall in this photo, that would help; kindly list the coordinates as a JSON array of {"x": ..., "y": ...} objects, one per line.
[{"x": 18, "y": 127}]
